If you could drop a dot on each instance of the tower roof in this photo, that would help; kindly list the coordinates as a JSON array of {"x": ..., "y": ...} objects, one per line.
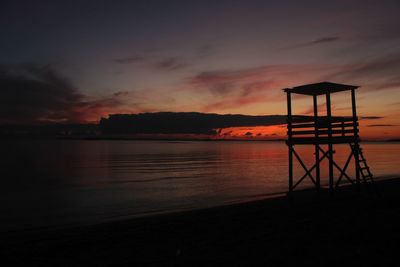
[{"x": 320, "y": 88}]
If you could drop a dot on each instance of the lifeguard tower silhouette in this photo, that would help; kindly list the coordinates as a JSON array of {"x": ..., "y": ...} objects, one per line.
[{"x": 322, "y": 131}]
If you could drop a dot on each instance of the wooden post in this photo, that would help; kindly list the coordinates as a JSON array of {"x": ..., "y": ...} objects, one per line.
[
  {"x": 289, "y": 126},
  {"x": 330, "y": 145},
  {"x": 317, "y": 165},
  {"x": 343, "y": 129},
  {"x": 356, "y": 145}
]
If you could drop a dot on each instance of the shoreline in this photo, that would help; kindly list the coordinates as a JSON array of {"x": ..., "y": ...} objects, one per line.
[
  {"x": 355, "y": 228},
  {"x": 137, "y": 216}
]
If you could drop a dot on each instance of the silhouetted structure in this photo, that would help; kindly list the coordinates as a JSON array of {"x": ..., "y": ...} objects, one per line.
[{"x": 325, "y": 130}]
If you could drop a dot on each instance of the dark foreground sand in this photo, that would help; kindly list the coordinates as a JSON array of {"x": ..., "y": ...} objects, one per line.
[{"x": 349, "y": 229}]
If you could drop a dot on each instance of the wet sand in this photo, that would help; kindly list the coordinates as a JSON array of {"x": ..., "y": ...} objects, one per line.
[{"x": 360, "y": 229}]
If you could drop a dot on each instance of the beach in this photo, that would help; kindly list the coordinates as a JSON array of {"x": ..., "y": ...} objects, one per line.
[{"x": 360, "y": 229}]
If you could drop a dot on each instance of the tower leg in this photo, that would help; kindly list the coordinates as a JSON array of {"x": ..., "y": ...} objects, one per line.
[
  {"x": 330, "y": 148},
  {"x": 290, "y": 169},
  {"x": 356, "y": 140},
  {"x": 357, "y": 164},
  {"x": 316, "y": 128},
  {"x": 317, "y": 170},
  {"x": 331, "y": 184}
]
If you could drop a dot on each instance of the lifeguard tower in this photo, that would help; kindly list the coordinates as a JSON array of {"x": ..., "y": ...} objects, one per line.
[{"x": 322, "y": 132}]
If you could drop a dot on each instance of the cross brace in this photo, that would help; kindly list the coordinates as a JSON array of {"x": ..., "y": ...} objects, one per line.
[{"x": 324, "y": 155}]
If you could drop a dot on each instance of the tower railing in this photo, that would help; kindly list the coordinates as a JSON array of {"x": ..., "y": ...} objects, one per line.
[{"x": 307, "y": 129}]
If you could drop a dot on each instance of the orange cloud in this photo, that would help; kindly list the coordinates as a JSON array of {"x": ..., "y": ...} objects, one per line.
[{"x": 274, "y": 132}]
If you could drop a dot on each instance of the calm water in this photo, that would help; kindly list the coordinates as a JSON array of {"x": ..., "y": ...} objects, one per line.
[{"x": 58, "y": 183}]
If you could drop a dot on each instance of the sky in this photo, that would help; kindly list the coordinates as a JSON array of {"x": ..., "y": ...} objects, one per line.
[{"x": 80, "y": 61}]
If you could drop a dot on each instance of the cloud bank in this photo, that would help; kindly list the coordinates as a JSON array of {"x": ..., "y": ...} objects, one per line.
[
  {"x": 32, "y": 94},
  {"x": 181, "y": 122}
]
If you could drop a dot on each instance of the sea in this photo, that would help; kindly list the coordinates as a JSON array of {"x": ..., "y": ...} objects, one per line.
[{"x": 65, "y": 183}]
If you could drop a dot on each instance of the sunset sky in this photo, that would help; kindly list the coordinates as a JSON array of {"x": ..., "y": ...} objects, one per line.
[{"x": 92, "y": 58}]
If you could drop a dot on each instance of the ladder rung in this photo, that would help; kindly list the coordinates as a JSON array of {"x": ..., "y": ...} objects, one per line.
[{"x": 365, "y": 170}]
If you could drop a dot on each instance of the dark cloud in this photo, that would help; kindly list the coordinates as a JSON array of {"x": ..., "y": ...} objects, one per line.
[
  {"x": 121, "y": 93},
  {"x": 152, "y": 61},
  {"x": 371, "y": 118},
  {"x": 182, "y": 122},
  {"x": 222, "y": 89},
  {"x": 128, "y": 60},
  {"x": 31, "y": 94},
  {"x": 267, "y": 76},
  {"x": 255, "y": 87},
  {"x": 236, "y": 88},
  {"x": 241, "y": 87},
  {"x": 382, "y": 125},
  {"x": 324, "y": 40},
  {"x": 171, "y": 63},
  {"x": 393, "y": 83},
  {"x": 380, "y": 65},
  {"x": 218, "y": 83},
  {"x": 380, "y": 73}
]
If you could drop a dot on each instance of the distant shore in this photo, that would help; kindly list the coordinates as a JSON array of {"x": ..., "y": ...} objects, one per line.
[
  {"x": 350, "y": 229},
  {"x": 133, "y": 138}
]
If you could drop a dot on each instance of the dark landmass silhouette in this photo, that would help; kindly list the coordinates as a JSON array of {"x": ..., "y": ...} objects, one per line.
[
  {"x": 182, "y": 122},
  {"x": 48, "y": 130}
]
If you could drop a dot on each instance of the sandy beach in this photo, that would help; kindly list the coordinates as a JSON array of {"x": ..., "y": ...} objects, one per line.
[{"x": 350, "y": 228}]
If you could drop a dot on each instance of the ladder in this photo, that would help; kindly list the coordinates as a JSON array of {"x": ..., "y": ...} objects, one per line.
[{"x": 365, "y": 170}]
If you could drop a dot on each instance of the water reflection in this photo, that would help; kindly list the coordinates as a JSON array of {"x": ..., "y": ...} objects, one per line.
[{"x": 56, "y": 182}]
